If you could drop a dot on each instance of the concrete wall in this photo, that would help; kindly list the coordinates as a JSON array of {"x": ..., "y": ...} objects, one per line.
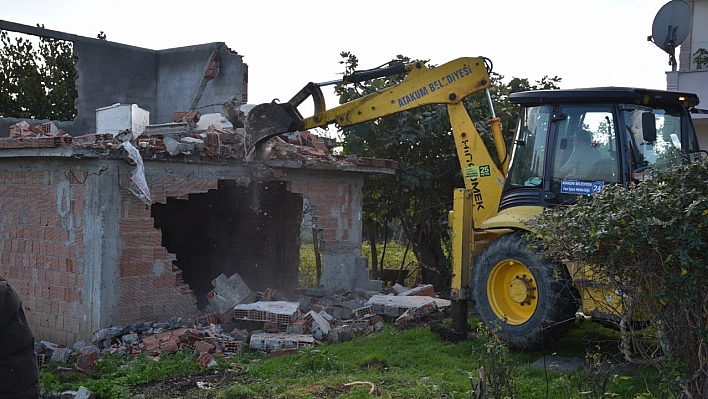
[
  {"x": 162, "y": 82},
  {"x": 72, "y": 245},
  {"x": 688, "y": 78},
  {"x": 85, "y": 254}
]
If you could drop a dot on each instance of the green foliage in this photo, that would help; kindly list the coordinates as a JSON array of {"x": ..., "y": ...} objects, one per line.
[
  {"x": 307, "y": 272},
  {"x": 499, "y": 369},
  {"x": 313, "y": 360},
  {"x": 649, "y": 242},
  {"x": 37, "y": 80},
  {"x": 700, "y": 57},
  {"x": 112, "y": 376},
  {"x": 419, "y": 196}
]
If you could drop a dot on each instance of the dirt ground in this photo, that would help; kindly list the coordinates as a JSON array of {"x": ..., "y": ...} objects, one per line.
[
  {"x": 204, "y": 385},
  {"x": 209, "y": 383}
]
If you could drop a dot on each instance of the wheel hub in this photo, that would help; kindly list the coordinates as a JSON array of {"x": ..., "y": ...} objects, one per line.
[{"x": 522, "y": 290}]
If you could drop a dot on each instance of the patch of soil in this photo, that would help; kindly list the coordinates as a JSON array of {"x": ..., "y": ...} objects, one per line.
[{"x": 187, "y": 386}]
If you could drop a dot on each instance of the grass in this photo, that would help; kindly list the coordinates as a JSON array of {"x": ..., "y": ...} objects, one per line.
[{"x": 413, "y": 363}]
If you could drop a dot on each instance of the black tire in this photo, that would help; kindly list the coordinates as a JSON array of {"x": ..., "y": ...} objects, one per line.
[{"x": 528, "y": 311}]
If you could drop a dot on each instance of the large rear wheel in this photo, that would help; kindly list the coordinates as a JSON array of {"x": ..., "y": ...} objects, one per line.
[{"x": 525, "y": 298}]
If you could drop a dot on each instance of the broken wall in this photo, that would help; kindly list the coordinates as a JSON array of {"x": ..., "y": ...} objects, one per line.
[
  {"x": 81, "y": 251},
  {"x": 337, "y": 203},
  {"x": 85, "y": 254},
  {"x": 252, "y": 231},
  {"x": 159, "y": 81}
]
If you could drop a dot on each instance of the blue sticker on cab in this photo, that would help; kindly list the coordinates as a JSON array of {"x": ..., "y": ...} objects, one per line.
[{"x": 581, "y": 187}]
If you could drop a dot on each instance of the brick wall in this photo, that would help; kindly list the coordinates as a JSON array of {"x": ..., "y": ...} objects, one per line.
[
  {"x": 335, "y": 201},
  {"x": 41, "y": 248},
  {"x": 151, "y": 285},
  {"x": 62, "y": 271}
]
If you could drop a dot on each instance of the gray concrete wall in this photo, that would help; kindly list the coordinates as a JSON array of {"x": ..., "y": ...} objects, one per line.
[
  {"x": 162, "y": 82},
  {"x": 58, "y": 233},
  {"x": 179, "y": 74}
]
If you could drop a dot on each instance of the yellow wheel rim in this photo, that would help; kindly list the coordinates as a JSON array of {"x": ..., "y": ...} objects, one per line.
[{"x": 512, "y": 292}]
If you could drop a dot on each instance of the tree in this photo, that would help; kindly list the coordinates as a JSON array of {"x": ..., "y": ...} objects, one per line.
[
  {"x": 650, "y": 243},
  {"x": 419, "y": 196},
  {"x": 37, "y": 82}
]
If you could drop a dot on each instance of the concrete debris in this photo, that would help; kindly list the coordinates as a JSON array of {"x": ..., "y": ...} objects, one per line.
[
  {"x": 205, "y": 361},
  {"x": 267, "y": 341},
  {"x": 228, "y": 292},
  {"x": 421, "y": 290},
  {"x": 82, "y": 393},
  {"x": 395, "y": 306},
  {"x": 423, "y": 314},
  {"x": 277, "y": 327},
  {"x": 24, "y": 129},
  {"x": 86, "y": 361},
  {"x": 318, "y": 325},
  {"x": 398, "y": 288},
  {"x": 280, "y": 312},
  {"x": 192, "y": 134}
]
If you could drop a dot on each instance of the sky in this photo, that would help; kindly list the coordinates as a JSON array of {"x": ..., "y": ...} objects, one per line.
[{"x": 287, "y": 44}]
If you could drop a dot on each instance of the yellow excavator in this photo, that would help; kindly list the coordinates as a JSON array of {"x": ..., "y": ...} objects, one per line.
[{"x": 568, "y": 143}]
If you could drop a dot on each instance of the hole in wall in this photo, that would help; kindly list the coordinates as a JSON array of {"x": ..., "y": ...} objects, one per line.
[{"x": 253, "y": 231}]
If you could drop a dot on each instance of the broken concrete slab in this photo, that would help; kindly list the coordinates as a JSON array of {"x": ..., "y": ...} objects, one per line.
[
  {"x": 423, "y": 314},
  {"x": 228, "y": 292},
  {"x": 421, "y": 290},
  {"x": 395, "y": 306}
]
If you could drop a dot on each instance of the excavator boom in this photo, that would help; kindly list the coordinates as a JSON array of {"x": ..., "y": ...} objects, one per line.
[{"x": 446, "y": 84}]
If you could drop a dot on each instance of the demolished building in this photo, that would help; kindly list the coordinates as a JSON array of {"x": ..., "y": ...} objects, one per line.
[{"x": 86, "y": 250}]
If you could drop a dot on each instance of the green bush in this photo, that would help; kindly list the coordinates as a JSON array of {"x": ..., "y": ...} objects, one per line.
[{"x": 650, "y": 243}]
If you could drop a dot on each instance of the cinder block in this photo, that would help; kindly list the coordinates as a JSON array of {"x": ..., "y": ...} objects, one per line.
[
  {"x": 205, "y": 360},
  {"x": 203, "y": 347},
  {"x": 364, "y": 311},
  {"x": 240, "y": 335}
]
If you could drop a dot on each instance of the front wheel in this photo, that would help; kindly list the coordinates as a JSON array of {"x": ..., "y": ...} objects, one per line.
[{"x": 525, "y": 298}]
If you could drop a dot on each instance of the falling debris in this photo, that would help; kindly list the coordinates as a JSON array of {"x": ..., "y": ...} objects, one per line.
[{"x": 228, "y": 292}]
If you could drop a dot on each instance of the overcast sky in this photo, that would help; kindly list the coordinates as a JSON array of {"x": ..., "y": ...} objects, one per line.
[{"x": 289, "y": 43}]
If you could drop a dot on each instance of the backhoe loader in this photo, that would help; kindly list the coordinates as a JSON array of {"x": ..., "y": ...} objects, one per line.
[{"x": 568, "y": 143}]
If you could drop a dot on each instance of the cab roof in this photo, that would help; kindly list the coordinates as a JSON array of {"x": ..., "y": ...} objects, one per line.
[{"x": 628, "y": 95}]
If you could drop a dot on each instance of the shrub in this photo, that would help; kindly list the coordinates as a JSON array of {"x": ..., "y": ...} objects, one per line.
[{"x": 651, "y": 244}]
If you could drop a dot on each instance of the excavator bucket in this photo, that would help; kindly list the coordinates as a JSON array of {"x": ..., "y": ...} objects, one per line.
[{"x": 264, "y": 121}]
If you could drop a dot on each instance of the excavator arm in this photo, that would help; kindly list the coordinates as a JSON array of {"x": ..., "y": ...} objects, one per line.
[{"x": 446, "y": 84}]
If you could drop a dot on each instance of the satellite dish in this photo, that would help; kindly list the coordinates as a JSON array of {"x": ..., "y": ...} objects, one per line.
[{"x": 671, "y": 26}]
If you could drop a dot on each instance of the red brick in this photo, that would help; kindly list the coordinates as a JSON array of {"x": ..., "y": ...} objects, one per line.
[{"x": 203, "y": 347}]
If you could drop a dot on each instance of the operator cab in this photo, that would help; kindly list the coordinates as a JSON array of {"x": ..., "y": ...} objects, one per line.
[{"x": 576, "y": 142}]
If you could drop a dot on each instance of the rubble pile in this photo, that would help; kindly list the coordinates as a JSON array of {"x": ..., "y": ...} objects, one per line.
[
  {"x": 191, "y": 134},
  {"x": 238, "y": 319}
]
